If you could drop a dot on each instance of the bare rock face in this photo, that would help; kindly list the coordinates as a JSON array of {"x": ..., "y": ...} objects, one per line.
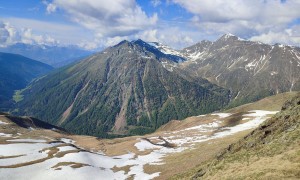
[{"x": 250, "y": 70}]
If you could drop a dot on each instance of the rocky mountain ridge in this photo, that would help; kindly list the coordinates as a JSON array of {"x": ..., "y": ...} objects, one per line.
[
  {"x": 250, "y": 70},
  {"x": 124, "y": 89}
]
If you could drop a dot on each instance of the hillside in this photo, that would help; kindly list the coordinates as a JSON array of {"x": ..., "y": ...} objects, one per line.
[
  {"x": 269, "y": 152},
  {"x": 35, "y": 151},
  {"x": 15, "y": 73},
  {"x": 124, "y": 90}
]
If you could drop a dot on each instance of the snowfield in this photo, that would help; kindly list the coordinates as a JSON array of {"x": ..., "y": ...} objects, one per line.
[
  {"x": 1, "y": 122},
  {"x": 36, "y": 158},
  {"x": 28, "y": 140},
  {"x": 5, "y": 135}
]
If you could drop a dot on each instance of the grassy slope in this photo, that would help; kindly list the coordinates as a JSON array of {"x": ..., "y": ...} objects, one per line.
[
  {"x": 272, "y": 103},
  {"x": 272, "y": 151}
]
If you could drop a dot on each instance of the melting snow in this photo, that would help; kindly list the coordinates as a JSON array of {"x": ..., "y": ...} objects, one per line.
[
  {"x": 5, "y": 135},
  {"x": 221, "y": 115},
  {"x": 204, "y": 127},
  {"x": 259, "y": 113},
  {"x": 100, "y": 165},
  {"x": 1, "y": 122},
  {"x": 28, "y": 140},
  {"x": 66, "y": 140},
  {"x": 201, "y": 115},
  {"x": 144, "y": 145}
]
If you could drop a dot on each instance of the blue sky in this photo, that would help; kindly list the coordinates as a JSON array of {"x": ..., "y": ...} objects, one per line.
[{"x": 95, "y": 24}]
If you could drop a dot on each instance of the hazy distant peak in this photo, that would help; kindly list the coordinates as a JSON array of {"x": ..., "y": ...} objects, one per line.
[{"x": 229, "y": 36}]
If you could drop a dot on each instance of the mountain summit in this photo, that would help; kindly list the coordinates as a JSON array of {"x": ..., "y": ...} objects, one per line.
[
  {"x": 250, "y": 70},
  {"x": 124, "y": 89}
]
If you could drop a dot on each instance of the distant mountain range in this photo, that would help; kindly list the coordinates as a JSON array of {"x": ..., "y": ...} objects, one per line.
[
  {"x": 121, "y": 91},
  {"x": 56, "y": 56},
  {"x": 16, "y": 72},
  {"x": 135, "y": 87}
]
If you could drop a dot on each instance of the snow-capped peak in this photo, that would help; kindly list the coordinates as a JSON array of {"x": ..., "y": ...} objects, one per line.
[
  {"x": 231, "y": 36},
  {"x": 165, "y": 49},
  {"x": 228, "y": 35}
]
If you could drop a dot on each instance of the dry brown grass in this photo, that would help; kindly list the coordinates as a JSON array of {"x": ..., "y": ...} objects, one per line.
[
  {"x": 8, "y": 157},
  {"x": 188, "y": 159},
  {"x": 272, "y": 103},
  {"x": 275, "y": 167},
  {"x": 126, "y": 169},
  {"x": 71, "y": 164}
]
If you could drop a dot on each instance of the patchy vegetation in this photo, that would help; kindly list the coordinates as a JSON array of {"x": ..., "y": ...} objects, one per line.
[{"x": 271, "y": 151}]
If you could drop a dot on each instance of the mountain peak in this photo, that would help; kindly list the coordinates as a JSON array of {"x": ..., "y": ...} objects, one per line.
[
  {"x": 121, "y": 43},
  {"x": 230, "y": 37}
]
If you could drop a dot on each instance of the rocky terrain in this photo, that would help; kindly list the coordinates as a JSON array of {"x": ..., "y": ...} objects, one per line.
[{"x": 250, "y": 70}]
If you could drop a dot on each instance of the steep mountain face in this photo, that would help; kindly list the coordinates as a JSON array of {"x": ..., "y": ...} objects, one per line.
[
  {"x": 55, "y": 56},
  {"x": 250, "y": 70},
  {"x": 269, "y": 152},
  {"x": 15, "y": 73},
  {"x": 123, "y": 90}
]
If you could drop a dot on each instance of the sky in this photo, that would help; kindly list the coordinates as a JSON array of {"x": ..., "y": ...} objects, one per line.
[{"x": 96, "y": 24}]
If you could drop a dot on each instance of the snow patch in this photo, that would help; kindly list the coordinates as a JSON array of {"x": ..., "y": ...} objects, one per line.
[
  {"x": 1, "y": 122},
  {"x": 260, "y": 113},
  {"x": 222, "y": 115},
  {"x": 5, "y": 135},
  {"x": 144, "y": 145},
  {"x": 201, "y": 115},
  {"x": 27, "y": 140},
  {"x": 66, "y": 140}
]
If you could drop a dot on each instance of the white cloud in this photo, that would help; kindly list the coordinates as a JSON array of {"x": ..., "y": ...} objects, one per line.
[
  {"x": 11, "y": 35},
  {"x": 51, "y": 8},
  {"x": 155, "y": 3},
  {"x": 245, "y": 18},
  {"x": 289, "y": 36},
  {"x": 8, "y": 34},
  {"x": 28, "y": 37},
  {"x": 108, "y": 18},
  {"x": 64, "y": 33},
  {"x": 102, "y": 23},
  {"x": 172, "y": 36},
  {"x": 149, "y": 35}
]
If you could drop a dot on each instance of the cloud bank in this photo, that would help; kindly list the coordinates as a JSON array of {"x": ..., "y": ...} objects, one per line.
[
  {"x": 10, "y": 35},
  {"x": 97, "y": 24},
  {"x": 268, "y": 21},
  {"x": 107, "y": 18}
]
